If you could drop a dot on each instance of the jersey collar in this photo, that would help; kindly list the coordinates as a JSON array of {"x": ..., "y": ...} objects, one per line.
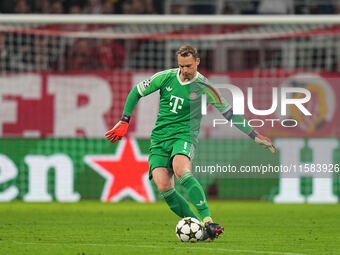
[{"x": 187, "y": 82}]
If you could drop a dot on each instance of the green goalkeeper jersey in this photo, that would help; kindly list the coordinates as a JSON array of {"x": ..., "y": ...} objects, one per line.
[{"x": 179, "y": 113}]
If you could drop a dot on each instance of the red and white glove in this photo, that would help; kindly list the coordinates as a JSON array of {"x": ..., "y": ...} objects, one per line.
[
  {"x": 265, "y": 142},
  {"x": 119, "y": 130}
]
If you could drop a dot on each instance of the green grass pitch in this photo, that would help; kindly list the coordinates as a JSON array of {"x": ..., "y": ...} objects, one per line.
[{"x": 134, "y": 228}]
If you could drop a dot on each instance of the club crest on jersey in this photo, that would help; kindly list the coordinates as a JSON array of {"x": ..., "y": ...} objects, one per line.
[
  {"x": 144, "y": 84},
  {"x": 193, "y": 96}
]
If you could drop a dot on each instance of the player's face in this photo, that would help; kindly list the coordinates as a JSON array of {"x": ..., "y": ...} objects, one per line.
[{"x": 188, "y": 67}]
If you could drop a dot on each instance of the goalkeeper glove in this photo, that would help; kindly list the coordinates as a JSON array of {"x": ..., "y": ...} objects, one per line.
[
  {"x": 263, "y": 141},
  {"x": 119, "y": 130}
]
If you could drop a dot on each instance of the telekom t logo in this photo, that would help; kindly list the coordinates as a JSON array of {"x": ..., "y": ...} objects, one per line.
[{"x": 174, "y": 103}]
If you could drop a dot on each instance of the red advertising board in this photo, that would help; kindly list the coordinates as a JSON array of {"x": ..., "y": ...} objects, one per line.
[{"x": 87, "y": 104}]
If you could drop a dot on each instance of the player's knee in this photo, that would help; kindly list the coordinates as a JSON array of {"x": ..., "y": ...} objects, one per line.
[
  {"x": 181, "y": 164},
  {"x": 163, "y": 179},
  {"x": 180, "y": 172},
  {"x": 164, "y": 186}
]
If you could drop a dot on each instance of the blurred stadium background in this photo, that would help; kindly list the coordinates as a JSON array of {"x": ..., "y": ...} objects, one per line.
[{"x": 64, "y": 80}]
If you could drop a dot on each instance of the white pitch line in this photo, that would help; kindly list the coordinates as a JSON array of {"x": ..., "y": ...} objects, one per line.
[{"x": 165, "y": 247}]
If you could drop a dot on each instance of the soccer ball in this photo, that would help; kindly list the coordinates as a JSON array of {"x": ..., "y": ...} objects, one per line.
[{"x": 189, "y": 230}]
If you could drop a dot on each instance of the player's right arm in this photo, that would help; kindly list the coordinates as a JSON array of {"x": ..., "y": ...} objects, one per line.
[{"x": 144, "y": 88}]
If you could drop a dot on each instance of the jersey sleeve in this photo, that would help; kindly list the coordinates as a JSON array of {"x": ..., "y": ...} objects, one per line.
[
  {"x": 214, "y": 96},
  {"x": 152, "y": 84},
  {"x": 131, "y": 101}
]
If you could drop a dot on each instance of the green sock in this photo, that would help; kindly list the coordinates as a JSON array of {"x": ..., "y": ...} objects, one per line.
[
  {"x": 178, "y": 204},
  {"x": 195, "y": 194}
]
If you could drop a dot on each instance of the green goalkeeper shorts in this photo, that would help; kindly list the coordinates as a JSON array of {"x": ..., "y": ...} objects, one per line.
[{"x": 162, "y": 153}]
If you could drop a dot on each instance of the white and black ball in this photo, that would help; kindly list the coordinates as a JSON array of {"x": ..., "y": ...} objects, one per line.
[{"x": 189, "y": 230}]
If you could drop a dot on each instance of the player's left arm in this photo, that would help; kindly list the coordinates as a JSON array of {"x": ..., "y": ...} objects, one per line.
[
  {"x": 144, "y": 88},
  {"x": 242, "y": 124},
  {"x": 238, "y": 120}
]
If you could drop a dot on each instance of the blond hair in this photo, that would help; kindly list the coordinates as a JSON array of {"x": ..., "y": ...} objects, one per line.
[{"x": 186, "y": 51}]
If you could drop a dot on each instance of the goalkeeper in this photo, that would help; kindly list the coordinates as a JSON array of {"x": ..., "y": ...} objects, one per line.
[{"x": 174, "y": 136}]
